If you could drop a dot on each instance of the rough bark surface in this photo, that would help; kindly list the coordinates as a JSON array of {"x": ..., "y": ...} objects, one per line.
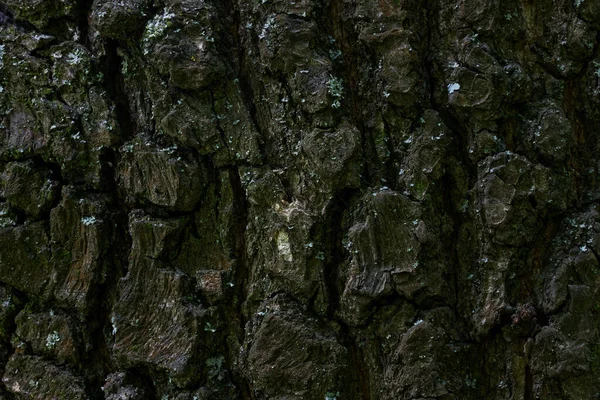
[{"x": 299, "y": 199}]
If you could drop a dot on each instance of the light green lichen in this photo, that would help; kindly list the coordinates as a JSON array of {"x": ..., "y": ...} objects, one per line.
[
  {"x": 331, "y": 395},
  {"x": 52, "y": 339},
  {"x": 335, "y": 89},
  {"x": 156, "y": 27}
]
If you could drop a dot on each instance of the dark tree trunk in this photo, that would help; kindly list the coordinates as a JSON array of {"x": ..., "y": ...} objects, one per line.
[{"x": 309, "y": 199}]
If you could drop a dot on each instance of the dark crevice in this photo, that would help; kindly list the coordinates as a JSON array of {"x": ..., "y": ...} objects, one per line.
[
  {"x": 541, "y": 318},
  {"x": 332, "y": 231},
  {"x": 98, "y": 358},
  {"x": 242, "y": 69},
  {"x": 448, "y": 187},
  {"x": 358, "y": 364},
  {"x": 390, "y": 170},
  {"x": 114, "y": 82},
  {"x": 222, "y": 134},
  {"x": 356, "y": 59},
  {"x": 238, "y": 321},
  {"x": 84, "y": 8},
  {"x": 140, "y": 378},
  {"x": 249, "y": 97},
  {"x": 108, "y": 162},
  {"x": 115, "y": 262},
  {"x": 229, "y": 11},
  {"x": 529, "y": 392},
  {"x": 458, "y": 148}
]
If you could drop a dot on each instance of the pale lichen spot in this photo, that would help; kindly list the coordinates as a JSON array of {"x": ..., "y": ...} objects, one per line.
[
  {"x": 453, "y": 87},
  {"x": 52, "y": 339},
  {"x": 284, "y": 247}
]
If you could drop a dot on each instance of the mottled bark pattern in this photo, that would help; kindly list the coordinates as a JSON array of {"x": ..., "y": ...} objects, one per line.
[{"x": 299, "y": 199}]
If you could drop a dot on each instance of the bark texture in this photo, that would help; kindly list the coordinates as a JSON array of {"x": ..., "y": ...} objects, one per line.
[{"x": 299, "y": 199}]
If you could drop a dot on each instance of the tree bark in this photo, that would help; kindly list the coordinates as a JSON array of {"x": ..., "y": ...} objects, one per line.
[{"x": 309, "y": 199}]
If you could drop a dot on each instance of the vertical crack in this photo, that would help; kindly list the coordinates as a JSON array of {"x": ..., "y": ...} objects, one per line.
[
  {"x": 529, "y": 393},
  {"x": 240, "y": 210},
  {"x": 84, "y": 8},
  {"x": 350, "y": 70},
  {"x": 114, "y": 83},
  {"x": 243, "y": 80},
  {"x": 116, "y": 266},
  {"x": 358, "y": 365},
  {"x": 332, "y": 230}
]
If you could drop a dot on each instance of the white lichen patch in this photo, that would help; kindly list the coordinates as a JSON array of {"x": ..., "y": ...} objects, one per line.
[
  {"x": 52, "y": 339},
  {"x": 75, "y": 57},
  {"x": 87, "y": 221},
  {"x": 284, "y": 247},
  {"x": 290, "y": 210},
  {"x": 266, "y": 27},
  {"x": 453, "y": 87},
  {"x": 114, "y": 325},
  {"x": 15, "y": 387},
  {"x": 156, "y": 27}
]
